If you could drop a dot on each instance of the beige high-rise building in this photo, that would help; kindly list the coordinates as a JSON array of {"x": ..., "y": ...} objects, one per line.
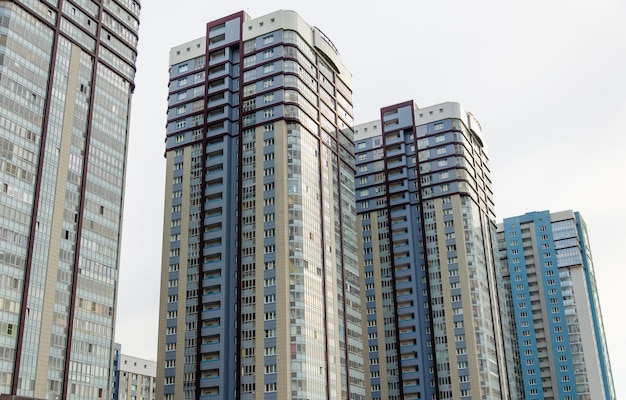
[
  {"x": 260, "y": 295},
  {"x": 430, "y": 277},
  {"x": 67, "y": 72}
]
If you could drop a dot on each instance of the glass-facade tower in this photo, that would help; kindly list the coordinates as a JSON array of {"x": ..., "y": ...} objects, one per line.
[
  {"x": 430, "y": 277},
  {"x": 260, "y": 292},
  {"x": 561, "y": 341},
  {"x": 66, "y": 77}
]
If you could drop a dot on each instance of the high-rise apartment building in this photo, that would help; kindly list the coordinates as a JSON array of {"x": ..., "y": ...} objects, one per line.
[
  {"x": 561, "y": 342},
  {"x": 66, "y": 77},
  {"x": 260, "y": 292},
  {"x": 134, "y": 378},
  {"x": 430, "y": 278}
]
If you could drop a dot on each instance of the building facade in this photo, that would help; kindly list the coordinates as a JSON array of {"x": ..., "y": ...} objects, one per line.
[
  {"x": 260, "y": 291},
  {"x": 430, "y": 278},
  {"x": 134, "y": 378},
  {"x": 66, "y": 77},
  {"x": 561, "y": 342}
]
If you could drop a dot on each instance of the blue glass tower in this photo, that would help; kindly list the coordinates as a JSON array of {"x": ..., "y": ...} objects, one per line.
[{"x": 561, "y": 341}]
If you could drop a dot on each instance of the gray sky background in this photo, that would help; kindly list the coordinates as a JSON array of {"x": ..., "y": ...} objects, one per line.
[{"x": 546, "y": 80}]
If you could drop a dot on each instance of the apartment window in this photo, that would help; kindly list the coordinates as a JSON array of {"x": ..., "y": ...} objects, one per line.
[
  {"x": 268, "y": 98},
  {"x": 268, "y": 39},
  {"x": 268, "y": 83},
  {"x": 183, "y": 68},
  {"x": 267, "y": 68}
]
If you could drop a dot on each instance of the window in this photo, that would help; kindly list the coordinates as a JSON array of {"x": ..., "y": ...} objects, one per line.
[{"x": 183, "y": 68}]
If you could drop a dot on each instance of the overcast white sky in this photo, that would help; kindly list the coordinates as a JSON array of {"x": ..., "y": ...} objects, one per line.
[{"x": 546, "y": 80}]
